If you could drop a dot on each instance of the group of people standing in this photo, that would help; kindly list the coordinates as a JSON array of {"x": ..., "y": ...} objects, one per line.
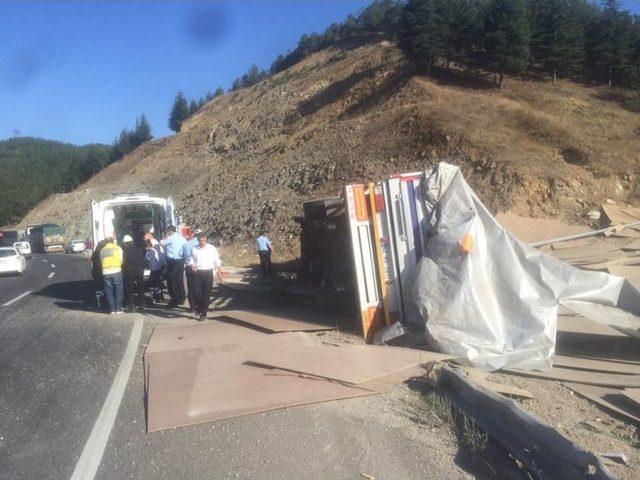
[
  {"x": 120, "y": 270},
  {"x": 200, "y": 261}
]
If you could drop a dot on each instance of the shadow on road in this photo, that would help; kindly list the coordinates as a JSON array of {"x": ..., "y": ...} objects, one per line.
[
  {"x": 71, "y": 291},
  {"x": 72, "y": 295}
]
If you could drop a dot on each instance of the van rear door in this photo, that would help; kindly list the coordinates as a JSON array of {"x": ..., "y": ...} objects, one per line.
[
  {"x": 97, "y": 225},
  {"x": 171, "y": 215}
]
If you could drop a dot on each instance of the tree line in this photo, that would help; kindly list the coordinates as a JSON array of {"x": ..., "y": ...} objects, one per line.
[
  {"x": 34, "y": 168},
  {"x": 182, "y": 109},
  {"x": 569, "y": 38},
  {"x": 129, "y": 140},
  {"x": 578, "y": 39}
]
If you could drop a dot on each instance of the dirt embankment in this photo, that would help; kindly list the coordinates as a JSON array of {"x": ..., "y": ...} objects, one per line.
[{"x": 250, "y": 158}]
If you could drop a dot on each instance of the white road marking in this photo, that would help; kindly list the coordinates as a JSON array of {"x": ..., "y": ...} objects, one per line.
[
  {"x": 51, "y": 274},
  {"x": 45, "y": 261},
  {"x": 53, "y": 265},
  {"x": 91, "y": 456},
  {"x": 17, "y": 298}
]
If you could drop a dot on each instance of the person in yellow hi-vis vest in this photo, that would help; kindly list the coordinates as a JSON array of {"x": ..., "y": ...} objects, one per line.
[{"x": 111, "y": 262}]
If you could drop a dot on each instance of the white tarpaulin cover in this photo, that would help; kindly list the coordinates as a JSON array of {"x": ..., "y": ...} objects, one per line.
[{"x": 496, "y": 306}]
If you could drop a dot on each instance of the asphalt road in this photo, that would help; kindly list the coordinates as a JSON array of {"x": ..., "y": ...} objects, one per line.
[{"x": 58, "y": 361}]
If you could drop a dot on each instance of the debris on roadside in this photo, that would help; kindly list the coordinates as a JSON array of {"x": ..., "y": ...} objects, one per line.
[
  {"x": 617, "y": 457},
  {"x": 534, "y": 444},
  {"x": 430, "y": 258},
  {"x": 431, "y": 263}
]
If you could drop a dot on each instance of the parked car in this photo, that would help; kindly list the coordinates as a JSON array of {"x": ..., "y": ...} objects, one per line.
[
  {"x": 74, "y": 246},
  {"x": 24, "y": 248},
  {"x": 12, "y": 261}
]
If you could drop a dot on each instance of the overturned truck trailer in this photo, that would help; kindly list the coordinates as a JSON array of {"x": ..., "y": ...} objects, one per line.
[{"x": 431, "y": 260}]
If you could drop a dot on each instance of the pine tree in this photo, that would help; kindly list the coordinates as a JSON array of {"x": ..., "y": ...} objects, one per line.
[
  {"x": 506, "y": 37},
  {"x": 633, "y": 73},
  {"x": 179, "y": 112},
  {"x": 421, "y": 33},
  {"x": 381, "y": 16},
  {"x": 219, "y": 91},
  {"x": 237, "y": 84},
  {"x": 193, "y": 107},
  {"x": 609, "y": 48},
  {"x": 124, "y": 142},
  {"x": 143, "y": 130},
  {"x": 278, "y": 64},
  {"x": 557, "y": 35},
  {"x": 457, "y": 26}
]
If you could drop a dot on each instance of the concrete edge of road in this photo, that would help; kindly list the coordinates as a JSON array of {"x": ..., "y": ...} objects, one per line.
[{"x": 91, "y": 456}]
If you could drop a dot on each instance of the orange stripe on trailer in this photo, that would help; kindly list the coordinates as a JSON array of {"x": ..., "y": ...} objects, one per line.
[
  {"x": 378, "y": 250},
  {"x": 360, "y": 202},
  {"x": 371, "y": 320},
  {"x": 378, "y": 198}
]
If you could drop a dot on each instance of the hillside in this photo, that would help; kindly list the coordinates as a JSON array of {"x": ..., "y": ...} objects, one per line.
[
  {"x": 355, "y": 112},
  {"x": 33, "y": 168}
]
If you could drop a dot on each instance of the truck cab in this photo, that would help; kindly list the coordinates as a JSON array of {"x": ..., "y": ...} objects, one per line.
[{"x": 132, "y": 214}]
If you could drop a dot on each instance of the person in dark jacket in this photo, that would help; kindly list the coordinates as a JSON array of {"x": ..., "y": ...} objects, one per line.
[
  {"x": 96, "y": 271},
  {"x": 133, "y": 265},
  {"x": 96, "y": 268}
]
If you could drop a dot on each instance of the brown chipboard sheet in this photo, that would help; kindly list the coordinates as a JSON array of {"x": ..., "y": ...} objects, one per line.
[
  {"x": 626, "y": 233},
  {"x": 621, "y": 350},
  {"x": 621, "y": 261},
  {"x": 596, "y": 365},
  {"x": 632, "y": 246},
  {"x": 576, "y": 324},
  {"x": 610, "y": 398},
  {"x": 632, "y": 394},
  {"x": 584, "y": 377},
  {"x": 188, "y": 387},
  {"x": 352, "y": 364},
  {"x": 281, "y": 320},
  {"x": 529, "y": 230},
  {"x": 211, "y": 334},
  {"x": 618, "y": 215},
  {"x": 198, "y": 373}
]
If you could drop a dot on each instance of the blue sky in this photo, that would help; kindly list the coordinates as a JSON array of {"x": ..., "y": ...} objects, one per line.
[{"x": 80, "y": 71}]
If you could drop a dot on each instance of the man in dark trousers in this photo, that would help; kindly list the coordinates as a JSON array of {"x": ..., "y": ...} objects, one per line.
[
  {"x": 174, "y": 248},
  {"x": 189, "y": 273},
  {"x": 133, "y": 265},
  {"x": 203, "y": 262},
  {"x": 264, "y": 252}
]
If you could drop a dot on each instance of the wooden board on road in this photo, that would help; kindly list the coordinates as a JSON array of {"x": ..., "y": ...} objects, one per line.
[
  {"x": 190, "y": 387},
  {"x": 353, "y": 364},
  {"x": 281, "y": 320},
  {"x": 610, "y": 398},
  {"x": 583, "y": 377},
  {"x": 200, "y": 373}
]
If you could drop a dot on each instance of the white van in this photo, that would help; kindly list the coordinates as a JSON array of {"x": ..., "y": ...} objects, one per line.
[{"x": 132, "y": 214}]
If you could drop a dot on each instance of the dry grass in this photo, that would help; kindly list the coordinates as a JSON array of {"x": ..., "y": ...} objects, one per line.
[{"x": 462, "y": 425}]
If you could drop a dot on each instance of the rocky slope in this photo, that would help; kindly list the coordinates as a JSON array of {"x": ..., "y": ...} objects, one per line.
[{"x": 356, "y": 112}]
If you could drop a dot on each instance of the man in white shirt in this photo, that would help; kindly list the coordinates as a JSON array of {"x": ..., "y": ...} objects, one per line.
[{"x": 203, "y": 262}]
